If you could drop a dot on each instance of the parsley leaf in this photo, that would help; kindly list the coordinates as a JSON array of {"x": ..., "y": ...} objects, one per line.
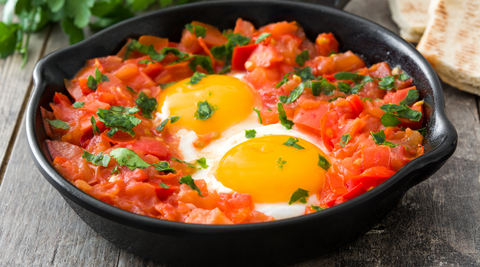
[
  {"x": 305, "y": 73},
  {"x": 344, "y": 140},
  {"x": 403, "y": 77},
  {"x": 196, "y": 78},
  {"x": 316, "y": 88},
  {"x": 145, "y": 61},
  {"x": 379, "y": 139},
  {"x": 172, "y": 119},
  {"x": 422, "y": 131},
  {"x": 280, "y": 163},
  {"x": 78, "y": 104},
  {"x": 199, "y": 31},
  {"x": 283, "y": 81},
  {"x": 392, "y": 108},
  {"x": 294, "y": 94},
  {"x": 204, "y": 111},
  {"x": 250, "y": 134},
  {"x": 146, "y": 104},
  {"x": 181, "y": 161},
  {"x": 99, "y": 159},
  {"x": 262, "y": 37},
  {"x": 302, "y": 57},
  {"x": 293, "y": 143},
  {"x": 283, "y": 117},
  {"x": 91, "y": 83},
  {"x": 202, "y": 162},
  {"x": 258, "y": 114},
  {"x": 225, "y": 52},
  {"x": 58, "y": 124},
  {"x": 163, "y": 166},
  {"x": 131, "y": 89},
  {"x": 411, "y": 97},
  {"x": 204, "y": 62},
  {"x": 316, "y": 208},
  {"x": 387, "y": 83},
  {"x": 164, "y": 185},
  {"x": 326, "y": 87},
  {"x": 349, "y": 76},
  {"x": 94, "y": 126},
  {"x": 127, "y": 157},
  {"x": 119, "y": 118},
  {"x": 166, "y": 85},
  {"x": 323, "y": 162},
  {"x": 115, "y": 170},
  {"x": 389, "y": 120},
  {"x": 344, "y": 87},
  {"x": 8, "y": 38},
  {"x": 188, "y": 180},
  {"x": 299, "y": 195}
]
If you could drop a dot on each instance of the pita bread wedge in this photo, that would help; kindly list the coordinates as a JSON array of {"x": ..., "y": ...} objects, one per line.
[
  {"x": 451, "y": 42},
  {"x": 411, "y": 17}
]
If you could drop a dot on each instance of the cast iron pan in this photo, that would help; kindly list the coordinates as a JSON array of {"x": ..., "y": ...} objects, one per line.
[{"x": 274, "y": 243}]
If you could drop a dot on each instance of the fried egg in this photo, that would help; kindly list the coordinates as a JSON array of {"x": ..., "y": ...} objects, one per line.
[{"x": 262, "y": 166}]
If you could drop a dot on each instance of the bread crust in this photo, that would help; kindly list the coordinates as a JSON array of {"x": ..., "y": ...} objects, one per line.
[
  {"x": 411, "y": 17},
  {"x": 451, "y": 42}
]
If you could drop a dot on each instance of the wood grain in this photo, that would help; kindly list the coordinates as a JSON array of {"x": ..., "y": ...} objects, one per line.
[
  {"x": 435, "y": 224},
  {"x": 15, "y": 88}
]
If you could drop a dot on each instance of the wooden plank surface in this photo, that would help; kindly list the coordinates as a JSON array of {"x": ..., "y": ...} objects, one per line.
[
  {"x": 435, "y": 224},
  {"x": 14, "y": 90}
]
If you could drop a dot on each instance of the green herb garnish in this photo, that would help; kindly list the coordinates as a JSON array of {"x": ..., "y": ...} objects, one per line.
[
  {"x": 127, "y": 157},
  {"x": 344, "y": 140},
  {"x": 302, "y": 57},
  {"x": 323, "y": 162},
  {"x": 119, "y": 118},
  {"x": 293, "y": 143},
  {"x": 204, "y": 110},
  {"x": 78, "y": 104},
  {"x": 258, "y": 114},
  {"x": 283, "y": 117},
  {"x": 188, "y": 180},
  {"x": 196, "y": 78},
  {"x": 250, "y": 134},
  {"x": 262, "y": 37},
  {"x": 59, "y": 124},
  {"x": 299, "y": 195},
  {"x": 280, "y": 163},
  {"x": 199, "y": 31},
  {"x": 379, "y": 139},
  {"x": 99, "y": 159}
]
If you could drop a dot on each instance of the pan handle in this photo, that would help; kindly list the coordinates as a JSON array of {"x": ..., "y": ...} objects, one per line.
[{"x": 340, "y": 4}]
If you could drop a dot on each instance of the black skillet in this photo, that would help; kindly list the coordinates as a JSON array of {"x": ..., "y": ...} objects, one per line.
[{"x": 266, "y": 244}]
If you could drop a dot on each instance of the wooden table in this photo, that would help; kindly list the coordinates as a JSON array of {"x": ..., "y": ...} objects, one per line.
[{"x": 436, "y": 223}]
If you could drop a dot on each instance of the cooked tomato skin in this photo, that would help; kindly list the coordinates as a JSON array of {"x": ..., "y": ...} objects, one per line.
[{"x": 358, "y": 164}]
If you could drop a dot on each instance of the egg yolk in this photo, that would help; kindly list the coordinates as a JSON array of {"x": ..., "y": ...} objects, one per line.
[
  {"x": 231, "y": 99},
  {"x": 270, "y": 171}
]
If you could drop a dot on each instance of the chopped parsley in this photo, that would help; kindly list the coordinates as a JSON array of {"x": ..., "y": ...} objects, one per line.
[
  {"x": 393, "y": 111},
  {"x": 202, "y": 162},
  {"x": 99, "y": 159},
  {"x": 258, "y": 114},
  {"x": 325, "y": 87},
  {"x": 146, "y": 104},
  {"x": 387, "y": 83},
  {"x": 283, "y": 81},
  {"x": 92, "y": 82},
  {"x": 403, "y": 77},
  {"x": 349, "y": 76},
  {"x": 344, "y": 87},
  {"x": 163, "y": 166},
  {"x": 94, "y": 126},
  {"x": 379, "y": 139},
  {"x": 389, "y": 120},
  {"x": 188, "y": 180},
  {"x": 323, "y": 162},
  {"x": 302, "y": 57},
  {"x": 115, "y": 170},
  {"x": 305, "y": 73},
  {"x": 127, "y": 157},
  {"x": 316, "y": 208},
  {"x": 293, "y": 143},
  {"x": 59, "y": 124},
  {"x": 299, "y": 195},
  {"x": 145, "y": 61},
  {"x": 166, "y": 85},
  {"x": 225, "y": 52},
  {"x": 280, "y": 163},
  {"x": 202, "y": 61},
  {"x": 250, "y": 134},
  {"x": 78, "y": 104},
  {"x": 196, "y": 78},
  {"x": 130, "y": 89},
  {"x": 422, "y": 131},
  {"x": 262, "y": 37},
  {"x": 344, "y": 139},
  {"x": 294, "y": 94},
  {"x": 204, "y": 110},
  {"x": 134, "y": 45},
  {"x": 283, "y": 117},
  {"x": 164, "y": 185},
  {"x": 119, "y": 118},
  {"x": 172, "y": 119},
  {"x": 182, "y": 161},
  {"x": 199, "y": 31},
  {"x": 411, "y": 97}
]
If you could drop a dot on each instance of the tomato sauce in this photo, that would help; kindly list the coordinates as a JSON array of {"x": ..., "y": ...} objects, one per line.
[{"x": 369, "y": 122}]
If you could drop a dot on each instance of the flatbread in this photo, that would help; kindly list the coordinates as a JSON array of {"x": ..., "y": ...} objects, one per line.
[
  {"x": 451, "y": 42},
  {"x": 411, "y": 17}
]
